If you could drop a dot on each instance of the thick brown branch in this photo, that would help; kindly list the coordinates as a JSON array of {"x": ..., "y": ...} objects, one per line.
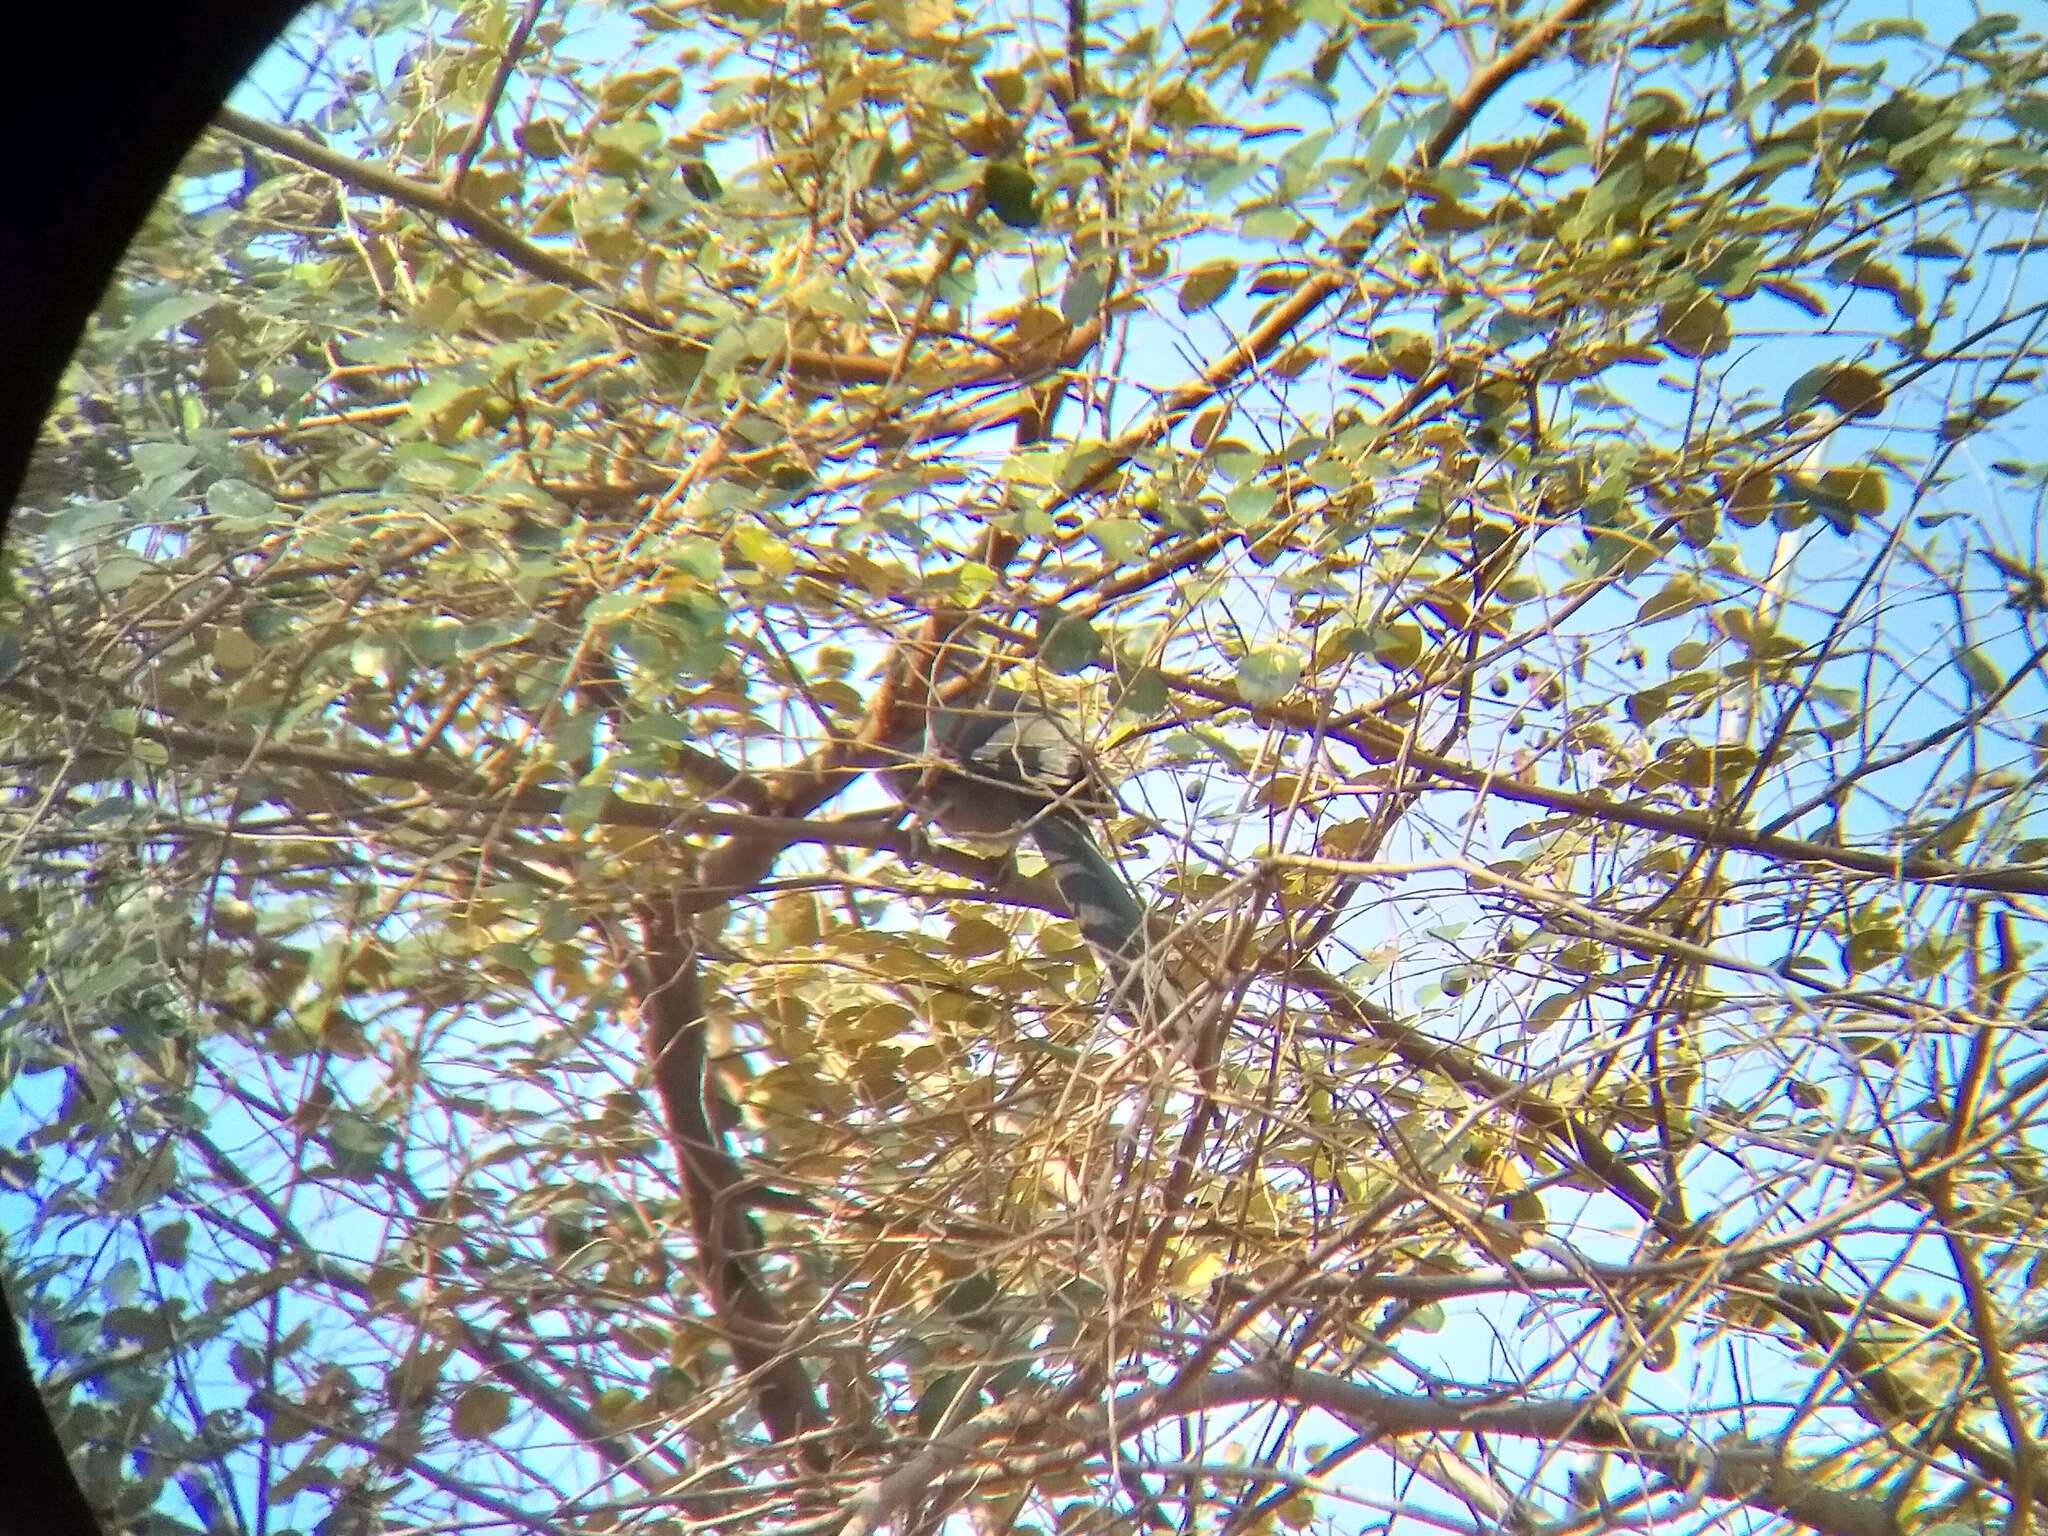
[{"x": 665, "y": 987}]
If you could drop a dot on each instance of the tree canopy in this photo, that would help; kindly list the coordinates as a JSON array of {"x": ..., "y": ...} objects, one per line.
[{"x": 1534, "y": 504}]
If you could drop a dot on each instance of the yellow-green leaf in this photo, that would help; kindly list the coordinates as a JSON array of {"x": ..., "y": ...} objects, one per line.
[
  {"x": 1853, "y": 390},
  {"x": 1978, "y": 671},
  {"x": 234, "y": 651},
  {"x": 481, "y": 1411},
  {"x": 1266, "y": 676},
  {"x": 1012, "y": 193},
  {"x": 1695, "y": 327},
  {"x": 1207, "y": 283},
  {"x": 1681, "y": 592}
]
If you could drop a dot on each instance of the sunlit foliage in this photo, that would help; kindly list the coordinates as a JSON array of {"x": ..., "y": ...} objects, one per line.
[{"x": 1537, "y": 502}]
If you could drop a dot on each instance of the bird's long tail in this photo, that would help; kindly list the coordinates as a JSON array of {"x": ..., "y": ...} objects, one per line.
[{"x": 1111, "y": 918}]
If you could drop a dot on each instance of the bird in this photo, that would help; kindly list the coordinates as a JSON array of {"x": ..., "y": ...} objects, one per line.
[{"x": 1001, "y": 767}]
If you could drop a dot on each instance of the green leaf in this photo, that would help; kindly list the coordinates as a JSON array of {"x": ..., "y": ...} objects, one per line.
[
  {"x": 1270, "y": 224},
  {"x": 170, "y": 312},
  {"x": 542, "y": 138},
  {"x": 168, "y": 1243},
  {"x": 155, "y": 461},
  {"x": 1249, "y": 505},
  {"x": 481, "y": 1411},
  {"x": 1297, "y": 1512},
  {"x": 937, "y": 1399},
  {"x": 1009, "y": 87},
  {"x": 1645, "y": 707},
  {"x": 1934, "y": 248},
  {"x": 1695, "y": 327},
  {"x": 1978, "y": 671},
  {"x": 1205, "y": 284},
  {"x": 699, "y": 179},
  {"x": 1984, "y": 29},
  {"x": 1011, "y": 193},
  {"x": 1871, "y": 945},
  {"x": 1882, "y": 28},
  {"x": 977, "y": 936},
  {"x": 1860, "y": 489},
  {"x": 1680, "y": 593},
  {"x": 241, "y": 506},
  {"x": 1121, "y": 539},
  {"x": 1686, "y": 655},
  {"x": 428, "y": 468},
  {"x": 1082, "y": 295},
  {"x": 1853, "y": 390},
  {"x": 973, "y": 581},
  {"x": 1066, "y": 645},
  {"x": 234, "y": 651},
  {"x": 1395, "y": 645},
  {"x": 1144, "y": 694},
  {"x": 698, "y": 557},
  {"x": 916, "y": 20},
  {"x": 1266, "y": 676}
]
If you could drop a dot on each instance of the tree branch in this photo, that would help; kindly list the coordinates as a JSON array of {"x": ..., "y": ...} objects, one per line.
[
  {"x": 821, "y": 368},
  {"x": 1383, "y": 743},
  {"x": 1742, "y": 1472},
  {"x": 663, "y": 976}
]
